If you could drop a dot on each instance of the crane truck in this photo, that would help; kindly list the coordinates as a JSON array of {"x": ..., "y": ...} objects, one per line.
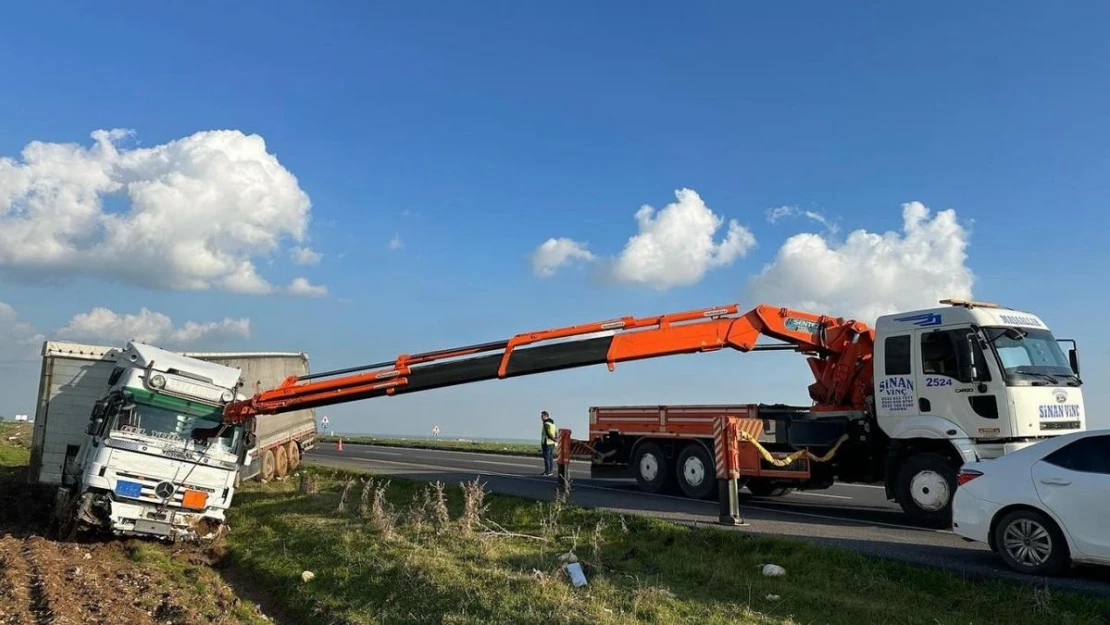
[{"x": 906, "y": 402}]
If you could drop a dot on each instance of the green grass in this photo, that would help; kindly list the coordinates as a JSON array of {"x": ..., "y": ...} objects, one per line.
[
  {"x": 15, "y": 454},
  {"x": 511, "y": 449},
  {"x": 639, "y": 569}
]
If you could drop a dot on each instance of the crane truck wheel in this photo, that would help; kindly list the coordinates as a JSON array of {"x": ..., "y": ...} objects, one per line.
[
  {"x": 696, "y": 471},
  {"x": 925, "y": 487},
  {"x": 281, "y": 461},
  {"x": 650, "y": 466}
]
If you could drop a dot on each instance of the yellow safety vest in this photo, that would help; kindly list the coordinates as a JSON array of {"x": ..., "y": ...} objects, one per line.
[{"x": 549, "y": 431}]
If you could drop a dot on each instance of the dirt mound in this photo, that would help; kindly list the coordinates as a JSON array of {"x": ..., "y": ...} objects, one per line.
[{"x": 43, "y": 581}]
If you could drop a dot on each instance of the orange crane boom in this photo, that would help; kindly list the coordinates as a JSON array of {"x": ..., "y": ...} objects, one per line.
[{"x": 840, "y": 357}]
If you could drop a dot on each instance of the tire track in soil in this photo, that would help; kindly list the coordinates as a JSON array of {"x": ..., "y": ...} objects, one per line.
[
  {"x": 47, "y": 583},
  {"x": 15, "y": 578}
]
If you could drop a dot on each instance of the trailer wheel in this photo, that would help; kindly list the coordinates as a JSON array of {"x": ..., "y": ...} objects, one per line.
[
  {"x": 926, "y": 485},
  {"x": 294, "y": 456},
  {"x": 268, "y": 465},
  {"x": 650, "y": 465},
  {"x": 281, "y": 461}
]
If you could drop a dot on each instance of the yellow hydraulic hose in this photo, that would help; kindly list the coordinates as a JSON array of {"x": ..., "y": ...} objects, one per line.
[{"x": 782, "y": 462}]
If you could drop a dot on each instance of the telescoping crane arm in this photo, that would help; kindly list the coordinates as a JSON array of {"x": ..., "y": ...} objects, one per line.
[{"x": 840, "y": 351}]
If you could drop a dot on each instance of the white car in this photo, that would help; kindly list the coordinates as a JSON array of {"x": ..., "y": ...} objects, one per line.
[{"x": 1043, "y": 507}]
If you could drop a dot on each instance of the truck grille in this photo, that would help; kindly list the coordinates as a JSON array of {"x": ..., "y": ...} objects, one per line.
[{"x": 150, "y": 492}]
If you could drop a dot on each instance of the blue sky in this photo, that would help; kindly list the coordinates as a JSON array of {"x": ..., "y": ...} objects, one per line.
[{"x": 474, "y": 136}]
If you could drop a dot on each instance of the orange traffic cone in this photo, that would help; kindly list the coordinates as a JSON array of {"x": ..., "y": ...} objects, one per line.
[{"x": 339, "y": 447}]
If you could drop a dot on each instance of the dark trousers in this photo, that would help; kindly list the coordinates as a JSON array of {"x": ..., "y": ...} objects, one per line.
[{"x": 548, "y": 457}]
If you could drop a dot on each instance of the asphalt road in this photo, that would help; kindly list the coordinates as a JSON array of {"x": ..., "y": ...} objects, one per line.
[{"x": 854, "y": 516}]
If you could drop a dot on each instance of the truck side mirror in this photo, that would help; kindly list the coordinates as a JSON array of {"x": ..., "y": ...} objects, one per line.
[
  {"x": 967, "y": 363},
  {"x": 94, "y": 426},
  {"x": 1073, "y": 359}
]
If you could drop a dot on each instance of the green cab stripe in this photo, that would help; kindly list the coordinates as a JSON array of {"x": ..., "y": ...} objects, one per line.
[{"x": 159, "y": 400}]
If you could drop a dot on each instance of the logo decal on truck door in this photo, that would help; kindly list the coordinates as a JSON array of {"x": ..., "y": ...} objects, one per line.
[{"x": 896, "y": 393}]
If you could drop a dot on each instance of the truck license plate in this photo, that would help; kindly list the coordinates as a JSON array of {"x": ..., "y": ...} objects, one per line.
[
  {"x": 152, "y": 527},
  {"x": 125, "y": 488}
]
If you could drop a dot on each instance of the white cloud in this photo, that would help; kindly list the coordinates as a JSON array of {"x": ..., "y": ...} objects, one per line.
[
  {"x": 676, "y": 246},
  {"x": 779, "y": 212},
  {"x": 18, "y": 339},
  {"x": 103, "y": 325},
  {"x": 871, "y": 274},
  {"x": 191, "y": 213},
  {"x": 395, "y": 243},
  {"x": 305, "y": 255},
  {"x": 301, "y": 286},
  {"x": 554, "y": 253}
]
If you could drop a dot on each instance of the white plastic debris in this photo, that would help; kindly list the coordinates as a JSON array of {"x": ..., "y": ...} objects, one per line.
[
  {"x": 577, "y": 576},
  {"x": 773, "y": 570},
  {"x": 307, "y": 576},
  {"x": 568, "y": 557},
  {"x": 773, "y": 597}
]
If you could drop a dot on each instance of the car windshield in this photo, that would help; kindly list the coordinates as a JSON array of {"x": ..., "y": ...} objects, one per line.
[
  {"x": 176, "y": 425},
  {"x": 1037, "y": 354}
]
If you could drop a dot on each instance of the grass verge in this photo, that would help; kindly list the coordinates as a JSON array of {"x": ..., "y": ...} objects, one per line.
[
  {"x": 486, "y": 447},
  {"x": 400, "y": 552}
]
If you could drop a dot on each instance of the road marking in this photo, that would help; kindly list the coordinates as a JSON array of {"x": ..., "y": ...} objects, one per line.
[
  {"x": 675, "y": 497},
  {"x": 472, "y": 453},
  {"x": 809, "y": 494},
  {"x": 504, "y": 464}
]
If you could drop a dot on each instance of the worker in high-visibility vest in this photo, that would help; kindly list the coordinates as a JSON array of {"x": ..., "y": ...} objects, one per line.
[{"x": 547, "y": 442}]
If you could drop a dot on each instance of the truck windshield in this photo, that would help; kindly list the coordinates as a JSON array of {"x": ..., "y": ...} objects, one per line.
[
  {"x": 1037, "y": 355},
  {"x": 176, "y": 426}
]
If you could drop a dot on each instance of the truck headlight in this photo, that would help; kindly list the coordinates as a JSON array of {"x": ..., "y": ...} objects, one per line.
[
  {"x": 227, "y": 396},
  {"x": 158, "y": 381}
]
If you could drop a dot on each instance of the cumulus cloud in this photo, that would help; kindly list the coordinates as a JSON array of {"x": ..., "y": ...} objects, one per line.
[
  {"x": 305, "y": 255},
  {"x": 774, "y": 215},
  {"x": 871, "y": 274},
  {"x": 395, "y": 243},
  {"x": 675, "y": 246},
  {"x": 103, "y": 325},
  {"x": 554, "y": 253},
  {"x": 301, "y": 286},
  {"x": 18, "y": 339},
  {"x": 192, "y": 213}
]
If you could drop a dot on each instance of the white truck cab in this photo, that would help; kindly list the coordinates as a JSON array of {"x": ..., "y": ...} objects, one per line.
[
  {"x": 138, "y": 469},
  {"x": 966, "y": 382}
]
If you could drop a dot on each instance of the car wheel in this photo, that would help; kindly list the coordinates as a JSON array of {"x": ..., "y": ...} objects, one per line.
[
  {"x": 926, "y": 485},
  {"x": 696, "y": 471},
  {"x": 652, "y": 473},
  {"x": 1030, "y": 542}
]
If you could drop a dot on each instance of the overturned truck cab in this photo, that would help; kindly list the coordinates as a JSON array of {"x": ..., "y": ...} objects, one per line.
[{"x": 152, "y": 456}]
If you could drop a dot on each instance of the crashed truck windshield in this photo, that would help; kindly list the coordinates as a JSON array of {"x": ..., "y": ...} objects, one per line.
[
  {"x": 1036, "y": 357},
  {"x": 177, "y": 425}
]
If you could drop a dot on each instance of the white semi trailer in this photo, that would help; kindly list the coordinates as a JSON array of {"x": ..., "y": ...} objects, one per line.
[{"x": 115, "y": 435}]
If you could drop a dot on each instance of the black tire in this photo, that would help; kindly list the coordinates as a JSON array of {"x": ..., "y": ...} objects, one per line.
[
  {"x": 696, "y": 472},
  {"x": 653, "y": 473},
  {"x": 1041, "y": 548},
  {"x": 926, "y": 484}
]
